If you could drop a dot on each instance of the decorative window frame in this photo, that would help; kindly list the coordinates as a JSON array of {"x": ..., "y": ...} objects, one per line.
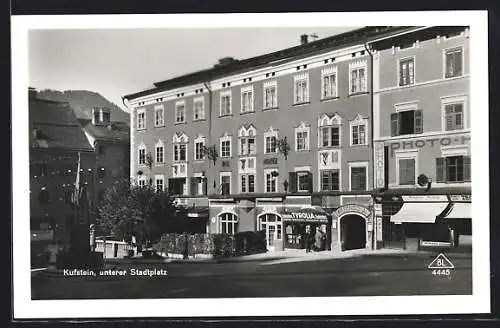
[
  {"x": 301, "y": 77},
  {"x": 202, "y": 101},
  {"x": 326, "y": 120},
  {"x": 246, "y": 89},
  {"x": 406, "y": 106},
  {"x": 247, "y": 169},
  {"x": 358, "y": 164},
  {"x": 229, "y": 138},
  {"x": 142, "y": 178},
  {"x": 456, "y": 150},
  {"x": 461, "y": 47},
  {"x": 453, "y": 99},
  {"x": 276, "y": 179},
  {"x": 332, "y": 70},
  {"x": 406, "y": 154},
  {"x": 302, "y": 127},
  {"x": 268, "y": 85},
  {"x": 162, "y": 178},
  {"x": 219, "y": 219},
  {"x": 226, "y": 174},
  {"x": 398, "y": 68},
  {"x": 177, "y": 139},
  {"x": 158, "y": 108},
  {"x": 246, "y": 132},
  {"x": 354, "y": 66},
  {"x": 359, "y": 120},
  {"x": 142, "y": 146},
  {"x": 177, "y": 104},
  {"x": 158, "y": 144},
  {"x": 270, "y": 133},
  {"x": 240, "y": 174},
  {"x": 141, "y": 111},
  {"x": 199, "y": 139},
  {"x": 225, "y": 93}
]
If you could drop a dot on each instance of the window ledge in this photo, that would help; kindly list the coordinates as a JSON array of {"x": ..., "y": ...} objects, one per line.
[
  {"x": 330, "y": 147},
  {"x": 359, "y": 145},
  {"x": 402, "y": 86},
  {"x": 355, "y": 94},
  {"x": 159, "y": 164},
  {"x": 301, "y": 103},
  {"x": 160, "y": 126},
  {"x": 269, "y": 108},
  {"x": 199, "y": 119},
  {"x": 247, "y": 112},
  {"x": 198, "y": 161},
  {"x": 226, "y": 115},
  {"x": 179, "y": 123},
  {"x": 329, "y": 98},
  {"x": 140, "y": 129},
  {"x": 302, "y": 151}
]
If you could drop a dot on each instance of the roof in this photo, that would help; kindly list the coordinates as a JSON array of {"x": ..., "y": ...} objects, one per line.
[
  {"x": 338, "y": 41},
  {"x": 113, "y": 132},
  {"x": 56, "y": 126}
]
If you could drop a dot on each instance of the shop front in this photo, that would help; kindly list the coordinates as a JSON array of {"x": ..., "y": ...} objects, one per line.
[
  {"x": 302, "y": 221},
  {"x": 416, "y": 222}
]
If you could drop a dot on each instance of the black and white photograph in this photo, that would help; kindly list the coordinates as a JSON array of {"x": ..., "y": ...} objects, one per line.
[{"x": 250, "y": 164}]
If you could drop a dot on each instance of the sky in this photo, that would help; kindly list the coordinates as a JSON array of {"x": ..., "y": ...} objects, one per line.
[{"x": 117, "y": 62}]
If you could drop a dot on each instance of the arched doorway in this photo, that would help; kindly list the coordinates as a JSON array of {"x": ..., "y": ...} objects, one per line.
[
  {"x": 352, "y": 232},
  {"x": 272, "y": 224},
  {"x": 228, "y": 223}
]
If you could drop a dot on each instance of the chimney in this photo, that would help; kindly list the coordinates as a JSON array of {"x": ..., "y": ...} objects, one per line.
[
  {"x": 32, "y": 93},
  {"x": 225, "y": 61},
  {"x": 303, "y": 39}
]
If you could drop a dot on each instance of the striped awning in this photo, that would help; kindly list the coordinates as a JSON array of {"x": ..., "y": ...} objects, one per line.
[
  {"x": 460, "y": 211},
  {"x": 419, "y": 212}
]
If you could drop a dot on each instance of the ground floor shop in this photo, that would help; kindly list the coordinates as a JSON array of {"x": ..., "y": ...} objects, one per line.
[{"x": 416, "y": 222}]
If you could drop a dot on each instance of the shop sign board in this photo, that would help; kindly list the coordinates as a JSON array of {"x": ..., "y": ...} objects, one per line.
[
  {"x": 352, "y": 208},
  {"x": 460, "y": 198},
  {"x": 435, "y": 243}
]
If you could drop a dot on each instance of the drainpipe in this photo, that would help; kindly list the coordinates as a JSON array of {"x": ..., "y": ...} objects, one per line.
[
  {"x": 372, "y": 151},
  {"x": 210, "y": 126}
]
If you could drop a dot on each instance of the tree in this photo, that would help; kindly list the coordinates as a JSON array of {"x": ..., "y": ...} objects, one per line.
[
  {"x": 284, "y": 148},
  {"x": 143, "y": 212},
  {"x": 213, "y": 155}
]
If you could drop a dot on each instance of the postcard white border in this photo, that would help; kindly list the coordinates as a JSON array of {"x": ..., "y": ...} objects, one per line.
[{"x": 479, "y": 302}]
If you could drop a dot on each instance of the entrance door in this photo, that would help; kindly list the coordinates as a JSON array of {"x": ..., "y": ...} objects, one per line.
[
  {"x": 272, "y": 225},
  {"x": 393, "y": 234},
  {"x": 353, "y": 229}
]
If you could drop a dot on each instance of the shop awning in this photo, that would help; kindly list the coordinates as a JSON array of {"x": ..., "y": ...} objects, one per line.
[
  {"x": 306, "y": 214},
  {"x": 419, "y": 212},
  {"x": 460, "y": 211}
]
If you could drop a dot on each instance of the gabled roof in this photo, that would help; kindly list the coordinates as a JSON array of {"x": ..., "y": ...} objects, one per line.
[
  {"x": 113, "y": 132},
  {"x": 56, "y": 126},
  {"x": 338, "y": 41}
]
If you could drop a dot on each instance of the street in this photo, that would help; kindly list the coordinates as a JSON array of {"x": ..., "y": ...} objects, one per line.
[{"x": 367, "y": 275}]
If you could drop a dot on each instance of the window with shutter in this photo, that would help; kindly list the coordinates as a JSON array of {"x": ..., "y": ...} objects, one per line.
[
  {"x": 292, "y": 186},
  {"x": 467, "y": 168},
  {"x": 407, "y": 171},
  {"x": 310, "y": 180},
  {"x": 394, "y": 124},
  {"x": 440, "y": 169},
  {"x": 194, "y": 186}
]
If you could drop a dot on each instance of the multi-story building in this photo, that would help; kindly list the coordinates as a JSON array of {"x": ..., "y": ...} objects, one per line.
[
  {"x": 56, "y": 142},
  {"x": 422, "y": 137},
  {"x": 315, "y": 97}
]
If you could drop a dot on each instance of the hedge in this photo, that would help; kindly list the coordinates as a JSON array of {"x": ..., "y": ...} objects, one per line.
[{"x": 217, "y": 245}]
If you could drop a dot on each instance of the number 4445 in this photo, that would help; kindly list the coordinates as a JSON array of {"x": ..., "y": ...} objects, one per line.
[{"x": 441, "y": 272}]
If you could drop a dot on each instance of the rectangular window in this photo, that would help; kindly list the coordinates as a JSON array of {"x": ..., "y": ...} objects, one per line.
[
  {"x": 247, "y": 183},
  {"x": 141, "y": 120},
  {"x": 301, "y": 91},
  {"x": 179, "y": 152},
  {"x": 225, "y": 184},
  {"x": 454, "y": 116},
  {"x": 303, "y": 181},
  {"x": 407, "y": 122},
  {"x": 159, "y": 184},
  {"x": 330, "y": 180},
  {"x": 270, "y": 97},
  {"x": 330, "y": 136},
  {"x": 247, "y": 101},
  {"x": 358, "y": 178},
  {"x": 225, "y": 148},
  {"x": 453, "y": 62},
  {"x": 247, "y": 146},
  {"x": 180, "y": 113},
  {"x": 358, "y": 80},
  {"x": 142, "y": 156},
  {"x": 270, "y": 144},
  {"x": 198, "y": 152},
  {"x": 271, "y": 181},
  {"x": 199, "y": 109},
  {"x": 407, "y": 171},
  {"x": 142, "y": 182},
  {"x": 302, "y": 140},
  {"x": 359, "y": 134},
  {"x": 406, "y": 71},
  {"x": 453, "y": 169},
  {"x": 225, "y": 104},
  {"x": 329, "y": 86},
  {"x": 159, "y": 154},
  {"x": 159, "y": 117}
]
